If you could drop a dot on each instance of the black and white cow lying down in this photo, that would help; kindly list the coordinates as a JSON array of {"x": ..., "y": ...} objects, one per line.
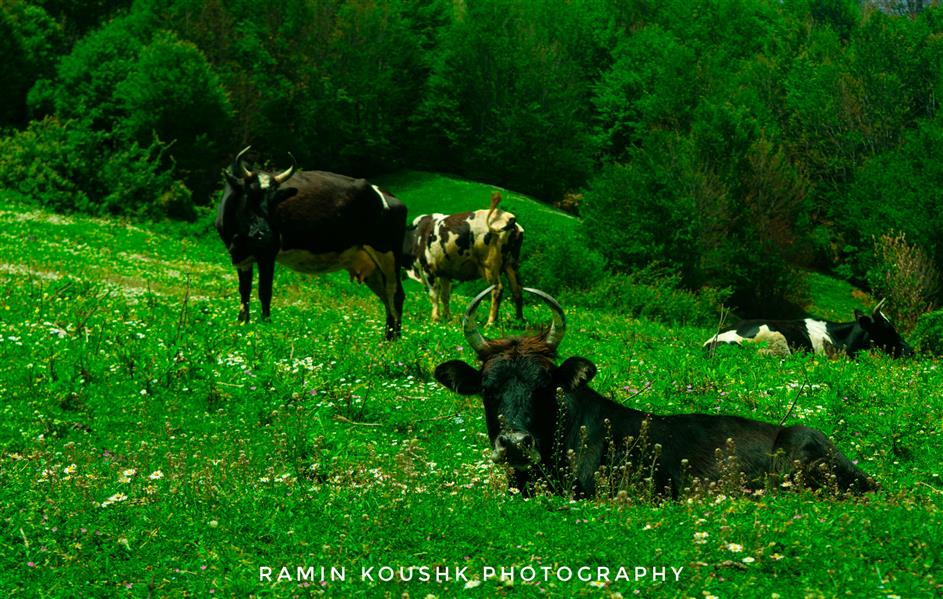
[
  {"x": 312, "y": 222},
  {"x": 818, "y": 336},
  {"x": 545, "y": 422}
]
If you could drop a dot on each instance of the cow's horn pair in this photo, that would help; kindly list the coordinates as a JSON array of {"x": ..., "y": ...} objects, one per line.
[
  {"x": 478, "y": 341},
  {"x": 247, "y": 174}
]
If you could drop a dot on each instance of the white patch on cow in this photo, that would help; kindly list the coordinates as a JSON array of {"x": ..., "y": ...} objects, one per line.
[
  {"x": 818, "y": 335},
  {"x": 265, "y": 180},
  {"x": 725, "y": 337},
  {"x": 386, "y": 203}
]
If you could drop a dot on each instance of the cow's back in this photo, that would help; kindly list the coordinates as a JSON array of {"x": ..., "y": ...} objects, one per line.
[
  {"x": 325, "y": 212},
  {"x": 460, "y": 245}
]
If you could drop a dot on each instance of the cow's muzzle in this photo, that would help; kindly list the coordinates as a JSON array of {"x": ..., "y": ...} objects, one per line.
[{"x": 518, "y": 450}]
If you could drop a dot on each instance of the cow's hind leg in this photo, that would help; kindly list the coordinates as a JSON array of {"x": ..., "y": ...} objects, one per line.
[
  {"x": 245, "y": 292},
  {"x": 494, "y": 278},
  {"x": 385, "y": 283},
  {"x": 516, "y": 292},
  {"x": 818, "y": 459}
]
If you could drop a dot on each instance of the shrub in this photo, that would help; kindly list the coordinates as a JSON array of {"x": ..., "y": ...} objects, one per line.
[
  {"x": 171, "y": 79},
  {"x": 140, "y": 186},
  {"x": 554, "y": 267},
  {"x": 928, "y": 333},
  {"x": 906, "y": 276},
  {"x": 66, "y": 167},
  {"x": 50, "y": 162},
  {"x": 656, "y": 295}
]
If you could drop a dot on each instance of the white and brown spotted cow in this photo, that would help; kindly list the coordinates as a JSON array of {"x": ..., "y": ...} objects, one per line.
[{"x": 440, "y": 248}]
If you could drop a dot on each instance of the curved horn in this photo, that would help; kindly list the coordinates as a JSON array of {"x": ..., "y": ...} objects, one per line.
[
  {"x": 877, "y": 308},
  {"x": 478, "y": 342},
  {"x": 475, "y": 339},
  {"x": 285, "y": 174},
  {"x": 238, "y": 165},
  {"x": 558, "y": 326}
]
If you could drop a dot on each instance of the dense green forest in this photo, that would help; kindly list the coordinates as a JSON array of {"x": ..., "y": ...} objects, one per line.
[{"x": 729, "y": 144}]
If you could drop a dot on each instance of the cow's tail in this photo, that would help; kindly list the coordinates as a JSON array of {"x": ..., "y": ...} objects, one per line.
[{"x": 495, "y": 200}]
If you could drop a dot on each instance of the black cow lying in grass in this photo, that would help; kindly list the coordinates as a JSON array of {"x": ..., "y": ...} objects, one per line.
[
  {"x": 544, "y": 421},
  {"x": 818, "y": 336}
]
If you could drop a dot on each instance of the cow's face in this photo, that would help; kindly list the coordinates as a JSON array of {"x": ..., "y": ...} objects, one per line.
[
  {"x": 517, "y": 382},
  {"x": 518, "y": 387},
  {"x": 243, "y": 218},
  {"x": 881, "y": 334}
]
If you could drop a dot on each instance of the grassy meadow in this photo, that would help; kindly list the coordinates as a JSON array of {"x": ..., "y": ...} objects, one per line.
[{"x": 150, "y": 446}]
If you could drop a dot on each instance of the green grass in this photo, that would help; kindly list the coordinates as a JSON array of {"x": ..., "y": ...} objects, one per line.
[
  {"x": 308, "y": 441},
  {"x": 836, "y": 300}
]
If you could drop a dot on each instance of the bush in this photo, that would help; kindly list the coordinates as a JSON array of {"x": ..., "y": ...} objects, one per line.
[
  {"x": 656, "y": 295},
  {"x": 928, "y": 333},
  {"x": 171, "y": 79},
  {"x": 140, "y": 186},
  {"x": 554, "y": 267},
  {"x": 50, "y": 162},
  {"x": 637, "y": 214},
  {"x": 906, "y": 277},
  {"x": 67, "y": 168}
]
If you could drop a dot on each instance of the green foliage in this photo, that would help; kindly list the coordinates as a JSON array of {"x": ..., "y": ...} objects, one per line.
[
  {"x": 60, "y": 165},
  {"x": 655, "y": 295},
  {"x": 927, "y": 336},
  {"x": 139, "y": 185},
  {"x": 555, "y": 267},
  {"x": 897, "y": 191},
  {"x": 88, "y": 76},
  {"x": 638, "y": 213},
  {"x": 172, "y": 78},
  {"x": 50, "y": 162},
  {"x": 494, "y": 106},
  {"x": 906, "y": 277},
  {"x": 647, "y": 88},
  {"x": 30, "y": 42}
]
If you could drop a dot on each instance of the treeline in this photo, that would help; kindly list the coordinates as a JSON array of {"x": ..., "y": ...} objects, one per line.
[{"x": 723, "y": 143}]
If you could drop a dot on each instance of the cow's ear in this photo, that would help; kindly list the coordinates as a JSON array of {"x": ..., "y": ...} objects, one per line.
[
  {"x": 232, "y": 179},
  {"x": 574, "y": 372},
  {"x": 459, "y": 377},
  {"x": 862, "y": 318}
]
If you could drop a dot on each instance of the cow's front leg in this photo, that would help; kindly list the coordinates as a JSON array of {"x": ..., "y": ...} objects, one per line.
[
  {"x": 266, "y": 275},
  {"x": 516, "y": 291},
  {"x": 245, "y": 292},
  {"x": 432, "y": 287}
]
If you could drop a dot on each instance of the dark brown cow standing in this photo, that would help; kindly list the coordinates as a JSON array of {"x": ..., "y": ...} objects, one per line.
[
  {"x": 545, "y": 422},
  {"x": 312, "y": 222}
]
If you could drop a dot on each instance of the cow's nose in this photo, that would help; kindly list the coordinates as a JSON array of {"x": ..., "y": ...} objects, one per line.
[{"x": 515, "y": 440}]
